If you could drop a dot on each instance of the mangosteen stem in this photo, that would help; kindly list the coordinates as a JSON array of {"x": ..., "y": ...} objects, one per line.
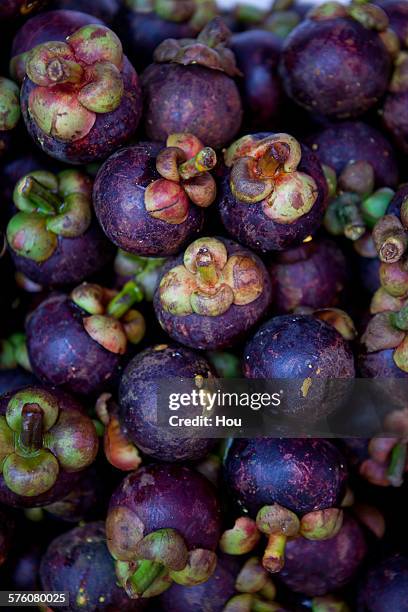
[
  {"x": 145, "y": 574},
  {"x": 206, "y": 267},
  {"x": 124, "y": 300},
  {"x": 273, "y": 558},
  {"x": 396, "y": 468},
  {"x": 47, "y": 203},
  {"x": 204, "y": 161},
  {"x": 31, "y": 437}
]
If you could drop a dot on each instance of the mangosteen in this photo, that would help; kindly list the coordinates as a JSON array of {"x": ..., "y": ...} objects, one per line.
[
  {"x": 77, "y": 341},
  {"x": 149, "y": 199},
  {"x": 54, "y": 238},
  {"x": 7, "y": 526},
  {"x": 394, "y": 110},
  {"x": 354, "y": 37},
  {"x": 46, "y": 27},
  {"x": 315, "y": 358},
  {"x": 397, "y": 13},
  {"x": 105, "y": 10},
  {"x": 163, "y": 525},
  {"x": 318, "y": 567},
  {"x": 190, "y": 88},
  {"x": 145, "y": 271},
  {"x": 78, "y": 562},
  {"x": 9, "y": 113},
  {"x": 313, "y": 274},
  {"x": 257, "y": 53},
  {"x": 291, "y": 487},
  {"x": 385, "y": 586},
  {"x": 211, "y": 295},
  {"x": 273, "y": 193},
  {"x": 82, "y": 97},
  {"x": 138, "y": 400},
  {"x": 390, "y": 237},
  {"x": 11, "y": 9},
  {"x": 47, "y": 439},
  {"x": 142, "y": 26}
]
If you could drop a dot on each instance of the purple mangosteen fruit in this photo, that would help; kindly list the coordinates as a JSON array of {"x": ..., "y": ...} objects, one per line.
[
  {"x": 257, "y": 53},
  {"x": 9, "y": 113},
  {"x": 163, "y": 525},
  {"x": 46, "y": 27},
  {"x": 47, "y": 440},
  {"x": 316, "y": 568},
  {"x": 290, "y": 487},
  {"x": 190, "y": 88},
  {"x": 149, "y": 199},
  {"x": 355, "y": 37},
  {"x": 385, "y": 586},
  {"x": 78, "y": 562},
  {"x": 138, "y": 401},
  {"x": 77, "y": 341},
  {"x": 314, "y": 356},
  {"x": 273, "y": 193},
  {"x": 143, "y": 25},
  {"x": 397, "y": 13},
  {"x": 82, "y": 97},
  {"x": 211, "y": 295},
  {"x": 313, "y": 274},
  {"x": 54, "y": 238}
]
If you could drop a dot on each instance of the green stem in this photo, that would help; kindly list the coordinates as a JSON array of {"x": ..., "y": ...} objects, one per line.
[
  {"x": 203, "y": 161},
  {"x": 47, "y": 203},
  {"x": 124, "y": 300},
  {"x": 206, "y": 267},
  {"x": 145, "y": 574},
  {"x": 31, "y": 437},
  {"x": 396, "y": 468}
]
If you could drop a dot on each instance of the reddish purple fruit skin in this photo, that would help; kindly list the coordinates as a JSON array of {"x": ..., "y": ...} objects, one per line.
[
  {"x": 313, "y": 274},
  {"x": 248, "y": 224},
  {"x": 79, "y": 562},
  {"x": 190, "y": 99},
  {"x": 138, "y": 402},
  {"x": 397, "y": 12},
  {"x": 12, "y": 8},
  {"x": 118, "y": 195},
  {"x": 300, "y": 474},
  {"x": 385, "y": 587},
  {"x": 105, "y": 10},
  {"x": 340, "y": 144},
  {"x": 380, "y": 364},
  {"x": 312, "y": 54},
  {"x": 65, "y": 482},
  {"x": 395, "y": 117},
  {"x": 49, "y": 26},
  {"x": 257, "y": 53},
  {"x": 74, "y": 259},
  {"x": 211, "y": 596},
  {"x": 174, "y": 497},
  {"x": 63, "y": 354},
  {"x": 110, "y": 130},
  {"x": 319, "y": 567},
  {"x": 221, "y": 331}
]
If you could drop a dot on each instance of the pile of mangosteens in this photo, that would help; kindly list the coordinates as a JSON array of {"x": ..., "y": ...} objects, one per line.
[{"x": 203, "y": 208}]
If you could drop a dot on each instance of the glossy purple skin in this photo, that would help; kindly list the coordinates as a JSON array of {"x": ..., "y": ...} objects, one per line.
[
  {"x": 142, "y": 32},
  {"x": 313, "y": 274},
  {"x": 298, "y": 473},
  {"x": 395, "y": 118},
  {"x": 74, "y": 260},
  {"x": 385, "y": 586},
  {"x": 6, "y": 534},
  {"x": 394, "y": 207},
  {"x": 342, "y": 143},
  {"x": 175, "y": 497},
  {"x": 65, "y": 482},
  {"x": 102, "y": 9},
  {"x": 248, "y": 224},
  {"x": 211, "y": 596},
  {"x": 319, "y": 567},
  {"x": 221, "y": 331},
  {"x": 79, "y": 562},
  {"x": 12, "y": 380},
  {"x": 16, "y": 8},
  {"x": 138, "y": 402},
  {"x": 303, "y": 350},
  {"x": 118, "y": 196},
  {"x": 191, "y": 99},
  {"x": 257, "y": 53},
  {"x": 110, "y": 130},
  {"x": 52, "y": 25},
  {"x": 63, "y": 354},
  {"x": 397, "y": 12},
  {"x": 379, "y": 365},
  {"x": 312, "y": 53}
]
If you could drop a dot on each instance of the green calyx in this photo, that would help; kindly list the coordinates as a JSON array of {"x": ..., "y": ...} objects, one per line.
[
  {"x": 31, "y": 452},
  {"x": 196, "y": 12},
  {"x": 374, "y": 206},
  {"x": 241, "y": 538},
  {"x": 396, "y": 467},
  {"x": 145, "y": 270},
  {"x": 343, "y": 217},
  {"x": 9, "y": 104},
  {"x": 76, "y": 80},
  {"x": 369, "y": 15},
  {"x": 50, "y": 206},
  {"x": 13, "y": 353}
]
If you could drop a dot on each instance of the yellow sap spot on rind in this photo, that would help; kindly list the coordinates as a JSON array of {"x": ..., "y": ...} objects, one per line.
[{"x": 307, "y": 383}]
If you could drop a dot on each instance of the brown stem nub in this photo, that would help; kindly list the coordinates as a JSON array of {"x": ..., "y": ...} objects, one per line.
[
  {"x": 204, "y": 161},
  {"x": 390, "y": 239},
  {"x": 31, "y": 437}
]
